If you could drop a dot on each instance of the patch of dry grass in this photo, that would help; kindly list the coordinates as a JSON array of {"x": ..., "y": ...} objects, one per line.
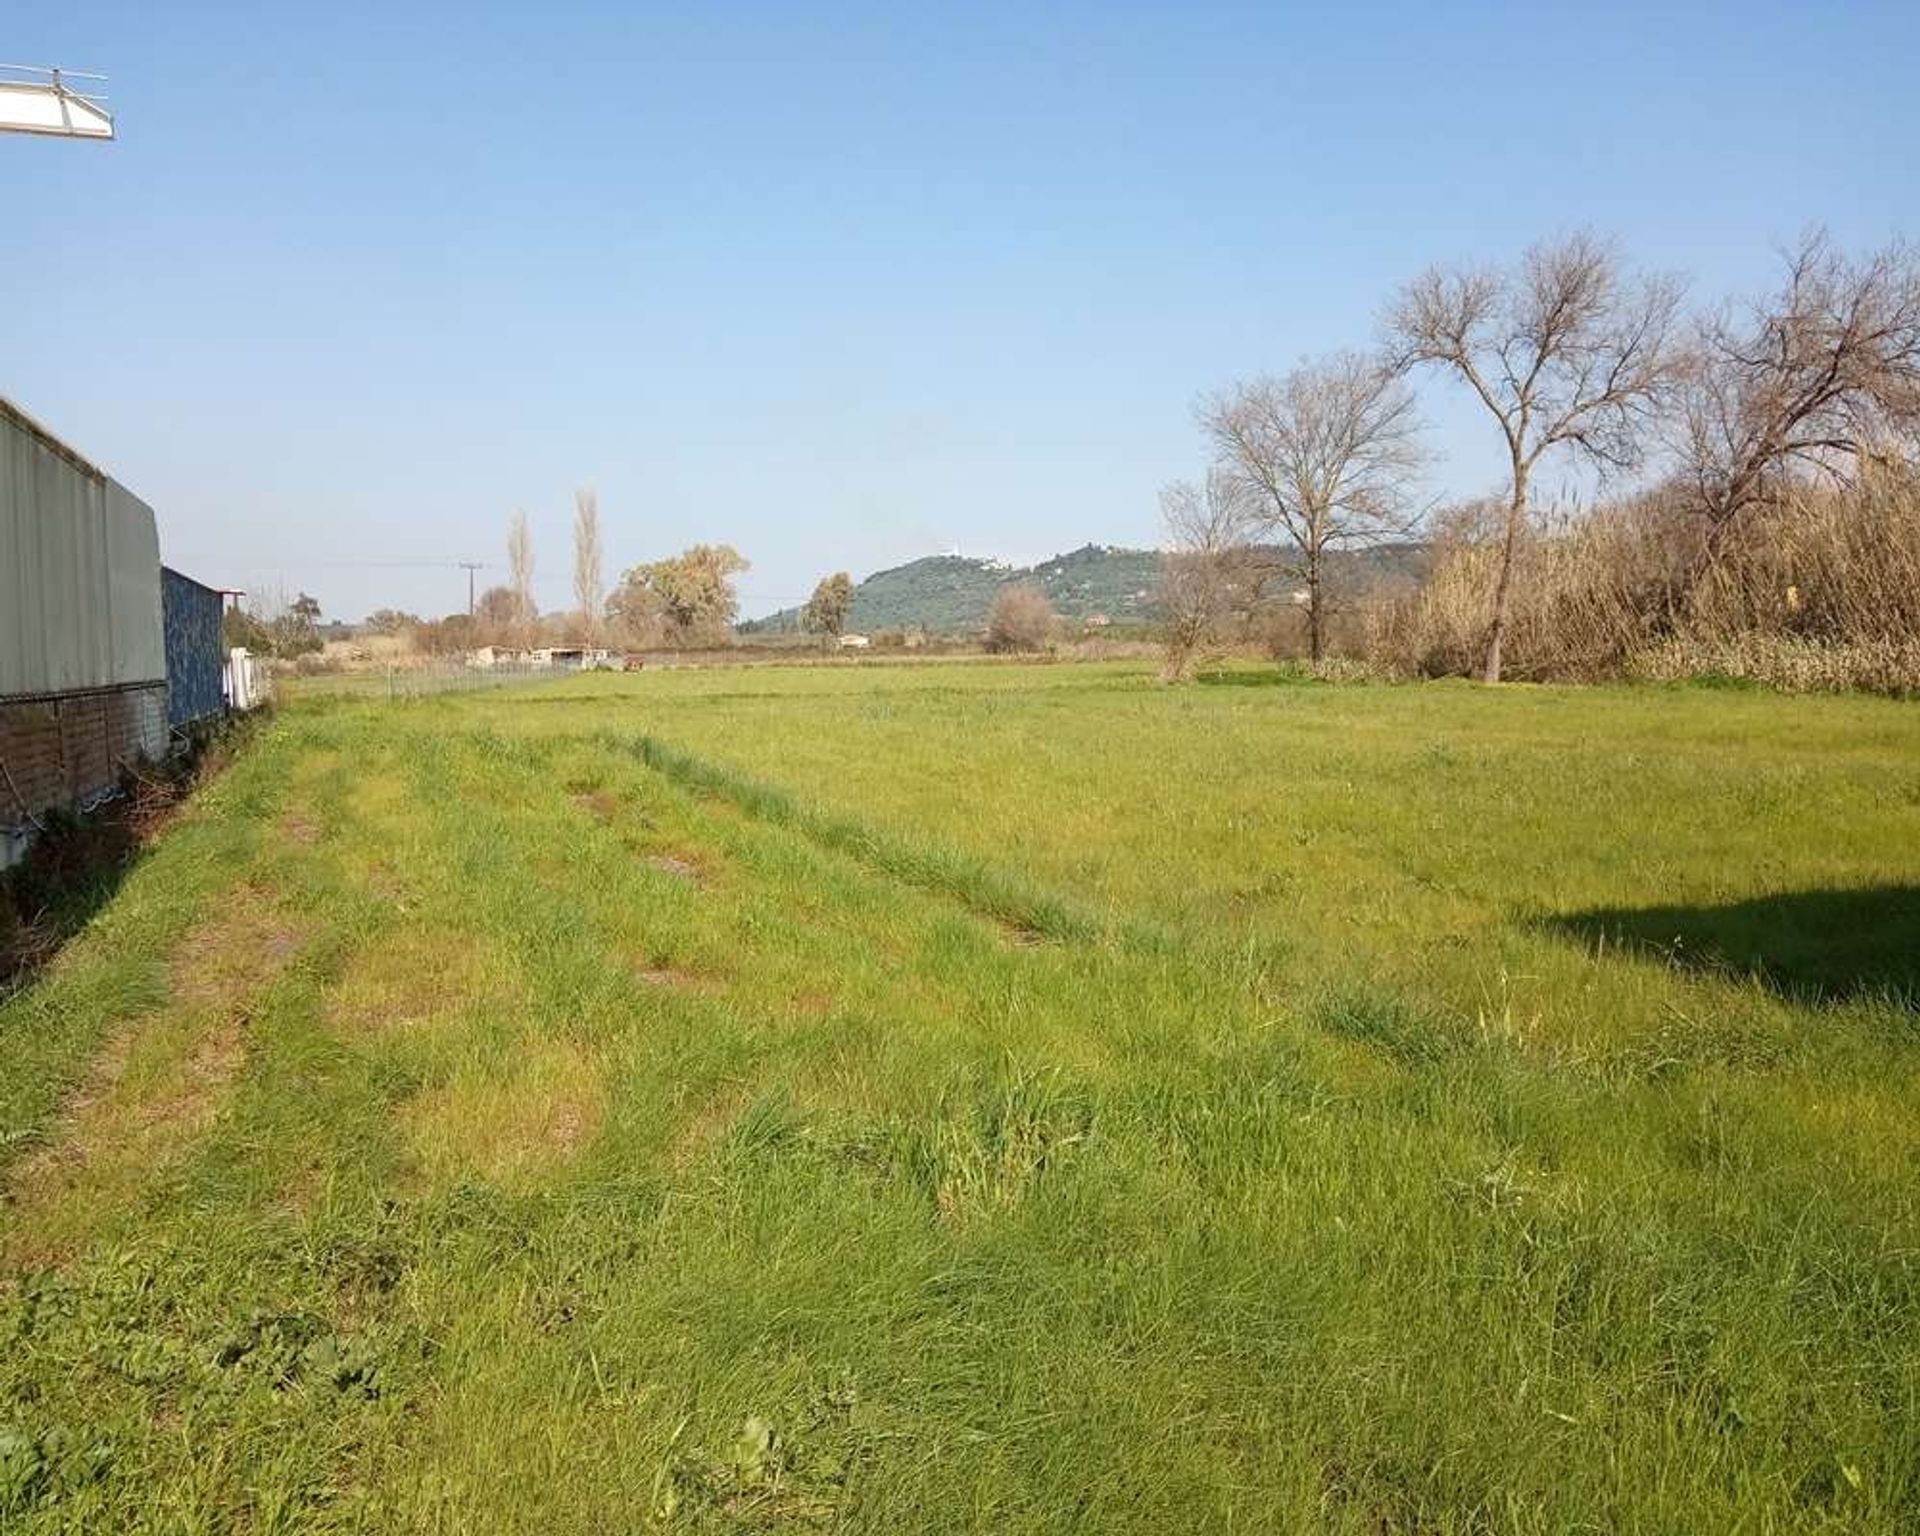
[
  {"x": 508, "y": 1121},
  {"x": 413, "y": 975},
  {"x": 157, "y": 1085}
]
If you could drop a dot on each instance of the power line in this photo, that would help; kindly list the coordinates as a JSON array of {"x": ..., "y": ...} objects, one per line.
[{"x": 396, "y": 565}]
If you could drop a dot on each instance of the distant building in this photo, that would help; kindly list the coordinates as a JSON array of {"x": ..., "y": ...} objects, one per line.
[
  {"x": 854, "y": 642},
  {"x": 1096, "y": 621},
  {"x": 568, "y": 658},
  {"x": 557, "y": 658}
]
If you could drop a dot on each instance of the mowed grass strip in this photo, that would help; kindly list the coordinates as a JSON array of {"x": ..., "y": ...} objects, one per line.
[{"x": 635, "y": 1149}]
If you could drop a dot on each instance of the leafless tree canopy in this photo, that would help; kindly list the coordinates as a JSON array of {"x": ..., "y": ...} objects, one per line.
[
  {"x": 520, "y": 575},
  {"x": 587, "y": 579},
  {"x": 1210, "y": 573},
  {"x": 1324, "y": 459},
  {"x": 1021, "y": 619},
  {"x": 496, "y": 617},
  {"x": 1804, "y": 383},
  {"x": 1566, "y": 351},
  {"x": 1218, "y": 519}
]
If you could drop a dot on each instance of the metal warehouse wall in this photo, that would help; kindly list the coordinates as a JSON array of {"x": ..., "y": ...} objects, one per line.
[
  {"x": 79, "y": 571},
  {"x": 190, "y": 614},
  {"x": 83, "y": 667}
]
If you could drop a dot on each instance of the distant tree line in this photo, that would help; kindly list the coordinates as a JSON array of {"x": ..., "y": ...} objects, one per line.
[
  {"x": 1734, "y": 449},
  {"x": 269, "y": 623},
  {"x": 683, "y": 601}
]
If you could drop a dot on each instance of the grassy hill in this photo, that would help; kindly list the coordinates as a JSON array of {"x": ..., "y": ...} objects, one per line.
[
  {"x": 944, "y": 594},
  {"x": 949, "y": 593}
]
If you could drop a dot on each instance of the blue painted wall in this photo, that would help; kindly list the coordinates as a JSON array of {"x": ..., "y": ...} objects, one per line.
[{"x": 190, "y": 615}]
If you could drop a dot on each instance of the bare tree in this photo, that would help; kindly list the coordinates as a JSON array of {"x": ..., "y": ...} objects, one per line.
[
  {"x": 587, "y": 579},
  {"x": 1021, "y": 619},
  {"x": 520, "y": 577},
  {"x": 496, "y": 616},
  {"x": 1566, "y": 352},
  {"x": 1209, "y": 574},
  {"x": 1326, "y": 457},
  {"x": 1802, "y": 385}
]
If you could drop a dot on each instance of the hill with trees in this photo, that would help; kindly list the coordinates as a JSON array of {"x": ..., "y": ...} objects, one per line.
[{"x": 952, "y": 594}]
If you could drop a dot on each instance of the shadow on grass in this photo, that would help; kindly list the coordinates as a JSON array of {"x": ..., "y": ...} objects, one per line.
[
  {"x": 70, "y": 873},
  {"x": 1810, "y": 946},
  {"x": 76, "y": 865},
  {"x": 1282, "y": 675}
]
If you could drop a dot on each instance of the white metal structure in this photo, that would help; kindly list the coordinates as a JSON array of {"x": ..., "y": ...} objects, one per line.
[
  {"x": 245, "y": 680},
  {"x": 41, "y": 101}
]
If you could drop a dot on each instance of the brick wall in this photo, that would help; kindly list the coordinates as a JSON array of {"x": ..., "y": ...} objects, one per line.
[{"x": 68, "y": 750}]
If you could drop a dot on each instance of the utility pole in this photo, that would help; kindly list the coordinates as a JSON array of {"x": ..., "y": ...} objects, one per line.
[{"x": 469, "y": 566}]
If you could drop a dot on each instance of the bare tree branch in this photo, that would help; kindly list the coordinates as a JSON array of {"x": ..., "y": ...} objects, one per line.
[
  {"x": 588, "y": 583},
  {"x": 520, "y": 578},
  {"x": 1210, "y": 574},
  {"x": 1325, "y": 457},
  {"x": 1802, "y": 384},
  {"x": 1566, "y": 352}
]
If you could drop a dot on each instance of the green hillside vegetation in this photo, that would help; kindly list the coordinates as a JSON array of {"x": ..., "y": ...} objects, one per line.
[{"x": 950, "y": 594}]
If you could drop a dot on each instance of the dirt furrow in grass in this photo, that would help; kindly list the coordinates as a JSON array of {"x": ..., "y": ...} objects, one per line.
[
  {"x": 1019, "y": 905},
  {"x": 156, "y": 1085}
]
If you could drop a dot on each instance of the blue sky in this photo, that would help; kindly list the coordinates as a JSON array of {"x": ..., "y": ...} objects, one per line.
[{"x": 839, "y": 285}]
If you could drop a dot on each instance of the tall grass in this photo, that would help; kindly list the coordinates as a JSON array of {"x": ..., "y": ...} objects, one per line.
[{"x": 1819, "y": 590}]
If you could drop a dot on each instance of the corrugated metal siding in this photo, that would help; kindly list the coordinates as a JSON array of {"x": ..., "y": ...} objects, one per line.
[
  {"x": 191, "y": 615},
  {"x": 79, "y": 571},
  {"x": 139, "y": 647}
]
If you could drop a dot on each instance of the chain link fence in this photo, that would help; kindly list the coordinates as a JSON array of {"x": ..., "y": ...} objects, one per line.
[{"x": 423, "y": 679}]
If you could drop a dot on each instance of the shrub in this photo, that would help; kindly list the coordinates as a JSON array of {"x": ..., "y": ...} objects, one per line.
[{"x": 1021, "y": 620}]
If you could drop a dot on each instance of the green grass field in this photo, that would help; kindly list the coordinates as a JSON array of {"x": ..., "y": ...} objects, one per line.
[{"x": 986, "y": 1098}]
